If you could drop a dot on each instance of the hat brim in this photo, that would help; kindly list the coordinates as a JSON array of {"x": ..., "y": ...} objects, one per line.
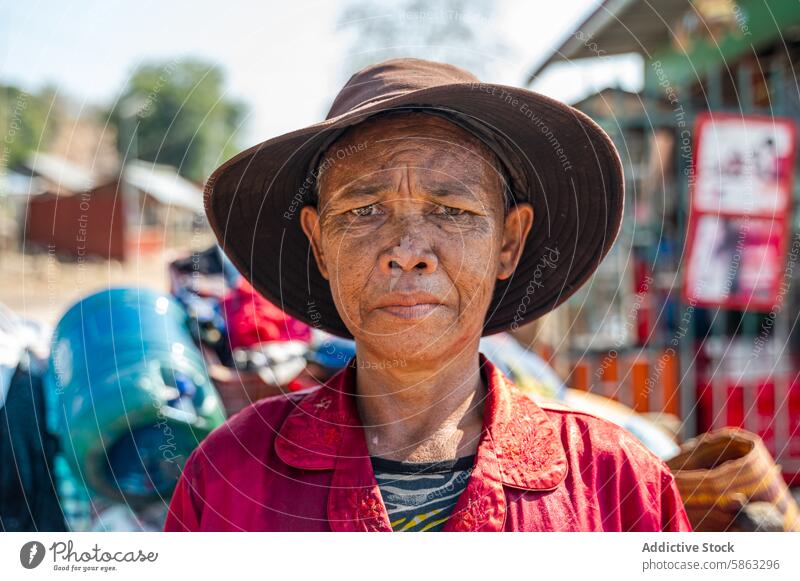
[{"x": 253, "y": 202}]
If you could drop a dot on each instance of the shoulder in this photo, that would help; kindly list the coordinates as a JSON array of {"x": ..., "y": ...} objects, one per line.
[
  {"x": 634, "y": 487},
  {"x": 584, "y": 433}
]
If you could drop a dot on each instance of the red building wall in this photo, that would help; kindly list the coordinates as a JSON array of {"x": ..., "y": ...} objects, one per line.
[{"x": 82, "y": 225}]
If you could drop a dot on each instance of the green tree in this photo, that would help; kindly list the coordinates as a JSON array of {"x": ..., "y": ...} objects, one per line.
[
  {"x": 177, "y": 113},
  {"x": 27, "y": 123}
]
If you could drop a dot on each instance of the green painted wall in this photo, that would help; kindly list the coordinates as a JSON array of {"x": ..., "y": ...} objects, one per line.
[{"x": 759, "y": 23}]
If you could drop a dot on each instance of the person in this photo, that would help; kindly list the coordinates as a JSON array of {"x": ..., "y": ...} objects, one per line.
[{"x": 426, "y": 211}]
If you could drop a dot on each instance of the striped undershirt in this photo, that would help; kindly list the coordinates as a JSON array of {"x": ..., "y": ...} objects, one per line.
[{"x": 420, "y": 496}]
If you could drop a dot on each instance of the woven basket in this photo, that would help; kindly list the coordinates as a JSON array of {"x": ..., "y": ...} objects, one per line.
[{"x": 719, "y": 472}]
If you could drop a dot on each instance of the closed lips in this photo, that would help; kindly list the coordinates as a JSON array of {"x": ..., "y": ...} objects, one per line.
[{"x": 408, "y": 300}]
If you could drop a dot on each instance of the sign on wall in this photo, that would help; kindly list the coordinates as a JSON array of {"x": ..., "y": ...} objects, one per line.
[{"x": 740, "y": 219}]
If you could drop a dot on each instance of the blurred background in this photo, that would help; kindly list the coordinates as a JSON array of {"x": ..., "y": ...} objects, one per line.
[
  {"x": 113, "y": 114},
  {"x": 89, "y": 88}
]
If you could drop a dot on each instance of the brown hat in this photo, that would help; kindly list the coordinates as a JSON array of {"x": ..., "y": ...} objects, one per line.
[{"x": 557, "y": 158}]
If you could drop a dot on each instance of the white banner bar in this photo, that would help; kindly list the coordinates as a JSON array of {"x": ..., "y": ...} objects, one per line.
[{"x": 495, "y": 557}]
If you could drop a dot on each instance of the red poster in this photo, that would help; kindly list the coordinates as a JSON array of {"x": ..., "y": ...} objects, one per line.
[{"x": 739, "y": 222}]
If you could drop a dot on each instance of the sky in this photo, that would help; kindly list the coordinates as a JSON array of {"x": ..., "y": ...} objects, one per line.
[{"x": 284, "y": 60}]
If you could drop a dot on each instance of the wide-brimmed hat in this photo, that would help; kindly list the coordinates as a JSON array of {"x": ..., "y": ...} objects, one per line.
[{"x": 557, "y": 159}]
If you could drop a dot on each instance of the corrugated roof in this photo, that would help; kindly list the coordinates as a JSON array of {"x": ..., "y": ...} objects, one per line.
[
  {"x": 14, "y": 184},
  {"x": 160, "y": 181},
  {"x": 62, "y": 173},
  {"x": 618, "y": 27},
  {"x": 163, "y": 183}
]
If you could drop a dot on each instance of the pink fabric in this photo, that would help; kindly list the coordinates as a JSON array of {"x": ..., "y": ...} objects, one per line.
[
  {"x": 252, "y": 319},
  {"x": 300, "y": 463}
]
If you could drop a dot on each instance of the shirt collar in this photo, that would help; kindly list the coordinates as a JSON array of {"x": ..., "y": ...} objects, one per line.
[{"x": 520, "y": 447}]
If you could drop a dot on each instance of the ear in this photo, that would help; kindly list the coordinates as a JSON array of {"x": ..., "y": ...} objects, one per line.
[
  {"x": 518, "y": 223},
  {"x": 309, "y": 221}
]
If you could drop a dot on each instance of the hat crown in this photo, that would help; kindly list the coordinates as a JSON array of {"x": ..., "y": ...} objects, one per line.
[{"x": 392, "y": 78}]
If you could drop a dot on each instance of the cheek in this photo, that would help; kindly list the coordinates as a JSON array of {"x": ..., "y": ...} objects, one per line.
[
  {"x": 470, "y": 261},
  {"x": 350, "y": 259}
]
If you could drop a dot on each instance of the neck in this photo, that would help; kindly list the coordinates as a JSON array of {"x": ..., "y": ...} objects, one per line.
[{"x": 421, "y": 411}]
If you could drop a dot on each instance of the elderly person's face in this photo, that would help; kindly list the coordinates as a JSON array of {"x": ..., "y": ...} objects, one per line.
[{"x": 412, "y": 232}]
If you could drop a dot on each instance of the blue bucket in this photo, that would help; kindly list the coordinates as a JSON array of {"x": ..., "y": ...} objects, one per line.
[{"x": 133, "y": 398}]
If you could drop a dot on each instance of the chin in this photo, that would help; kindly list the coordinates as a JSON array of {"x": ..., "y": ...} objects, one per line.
[{"x": 420, "y": 342}]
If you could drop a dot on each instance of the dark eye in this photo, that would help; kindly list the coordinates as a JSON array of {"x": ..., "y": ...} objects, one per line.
[
  {"x": 448, "y": 211},
  {"x": 363, "y": 211}
]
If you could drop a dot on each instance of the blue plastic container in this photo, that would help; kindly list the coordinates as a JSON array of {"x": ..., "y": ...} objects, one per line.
[{"x": 133, "y": 398}]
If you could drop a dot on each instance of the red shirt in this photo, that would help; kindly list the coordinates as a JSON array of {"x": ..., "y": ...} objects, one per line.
[{"x": 300, "y": 463}]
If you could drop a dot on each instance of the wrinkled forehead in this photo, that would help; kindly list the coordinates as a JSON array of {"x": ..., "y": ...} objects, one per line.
[{"x": 422, "y": 140}]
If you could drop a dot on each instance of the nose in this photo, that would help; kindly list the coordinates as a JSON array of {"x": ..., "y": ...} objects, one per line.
[{"x": 408, "y": 256}]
